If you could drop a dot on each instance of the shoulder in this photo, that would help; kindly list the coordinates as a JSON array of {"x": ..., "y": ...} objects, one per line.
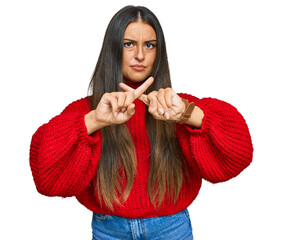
[
  {"x": 189, "y": 97},
  {"x": 80, "y": 105},
  {"x": 204, "y": 100},
  {"x": 210, "y": 104}
]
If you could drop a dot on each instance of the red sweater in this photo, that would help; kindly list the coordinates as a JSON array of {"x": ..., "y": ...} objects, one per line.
[{"x": 64, "y": 159}]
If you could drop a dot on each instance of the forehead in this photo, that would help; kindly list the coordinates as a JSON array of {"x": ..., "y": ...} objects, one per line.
[{"x": 140, "y": 30}]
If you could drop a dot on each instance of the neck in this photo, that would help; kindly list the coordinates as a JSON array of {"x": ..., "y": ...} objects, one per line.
[{"x": 132, "y": 84}]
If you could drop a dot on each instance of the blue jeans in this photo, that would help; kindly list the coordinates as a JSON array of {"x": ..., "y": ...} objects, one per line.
[{"x": 172, "y": 227}]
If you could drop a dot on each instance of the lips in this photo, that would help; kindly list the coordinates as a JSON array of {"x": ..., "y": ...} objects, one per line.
[{"x": 138, "y": 67}]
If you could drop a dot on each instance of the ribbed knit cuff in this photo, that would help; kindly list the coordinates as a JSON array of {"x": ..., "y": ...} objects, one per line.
[{"x": 82, "y": 132}]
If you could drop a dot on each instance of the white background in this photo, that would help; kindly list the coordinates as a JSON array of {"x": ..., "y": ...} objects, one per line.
[{"x": 229, "y": 50}]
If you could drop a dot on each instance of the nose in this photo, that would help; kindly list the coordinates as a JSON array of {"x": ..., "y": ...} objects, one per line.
[{"x": 139, "y": 55}]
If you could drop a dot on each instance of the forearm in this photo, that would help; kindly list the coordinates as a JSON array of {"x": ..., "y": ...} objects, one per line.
[
  {"x": 62, "y": 155},
  {"x": 222, "y": 147}
]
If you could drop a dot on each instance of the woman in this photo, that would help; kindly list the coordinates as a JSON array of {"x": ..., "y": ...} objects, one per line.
[{"x": 135, "y": 152}]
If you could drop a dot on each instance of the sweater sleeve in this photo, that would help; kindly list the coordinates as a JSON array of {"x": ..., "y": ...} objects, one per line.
[
  {"x": 222, "y": 147},
  {"x": 63, "y": 158}
]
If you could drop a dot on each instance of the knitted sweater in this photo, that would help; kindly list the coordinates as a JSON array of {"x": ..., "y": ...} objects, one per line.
[{"x": 64, "y": 158}]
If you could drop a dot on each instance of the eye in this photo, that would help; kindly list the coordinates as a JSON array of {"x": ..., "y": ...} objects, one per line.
[
  {"x": 150, "y": 45},
  {"x": 128, "y": 44}
]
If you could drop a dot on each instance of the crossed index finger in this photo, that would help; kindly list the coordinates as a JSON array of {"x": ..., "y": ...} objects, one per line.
[{"x": 138, "y": 92}]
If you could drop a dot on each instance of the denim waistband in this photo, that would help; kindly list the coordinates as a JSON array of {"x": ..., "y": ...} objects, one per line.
[{"x": 172, "y": 227}]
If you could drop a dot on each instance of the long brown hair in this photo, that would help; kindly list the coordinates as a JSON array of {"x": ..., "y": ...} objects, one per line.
[{"x": 118, "y": 152}]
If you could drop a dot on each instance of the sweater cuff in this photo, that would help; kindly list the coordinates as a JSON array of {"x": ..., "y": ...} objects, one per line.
[{"x": 86, "y": 139}]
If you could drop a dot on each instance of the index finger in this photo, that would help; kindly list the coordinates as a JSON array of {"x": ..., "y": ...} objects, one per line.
[{"x": 140, "y": 90}]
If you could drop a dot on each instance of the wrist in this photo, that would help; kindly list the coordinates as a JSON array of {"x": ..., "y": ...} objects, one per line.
[
  {"x": 92, "y": 123},
  {"x": 192, "y": 115},
  {"x": 196, "y": 118},
  {"x": 187, "y": 112}
]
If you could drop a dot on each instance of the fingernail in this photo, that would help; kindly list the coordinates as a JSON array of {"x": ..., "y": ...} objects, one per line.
[
  {"x": 166, "y": 115},
  {"x": 161, "y": 111}
]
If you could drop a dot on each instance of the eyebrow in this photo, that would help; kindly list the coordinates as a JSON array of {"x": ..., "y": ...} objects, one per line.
[{"x": 127, "y": 39}]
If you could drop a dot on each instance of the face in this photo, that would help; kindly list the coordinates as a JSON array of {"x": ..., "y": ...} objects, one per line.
[{"x": 139, "y": 51}]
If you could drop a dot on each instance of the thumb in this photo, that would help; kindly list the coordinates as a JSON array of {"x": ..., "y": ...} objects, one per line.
[{"x": 130, "y": 110}]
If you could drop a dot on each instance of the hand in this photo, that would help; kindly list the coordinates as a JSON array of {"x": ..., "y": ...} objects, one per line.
[
  {"x": 118, "y": 107},
  {"x": 164, "y": 104}
]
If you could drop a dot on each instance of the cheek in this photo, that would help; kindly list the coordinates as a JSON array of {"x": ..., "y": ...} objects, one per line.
[
  {"x": 152, "y": 60},
  {"x": 125, "y": 62},
  {"x": 127, "y": 56}
]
